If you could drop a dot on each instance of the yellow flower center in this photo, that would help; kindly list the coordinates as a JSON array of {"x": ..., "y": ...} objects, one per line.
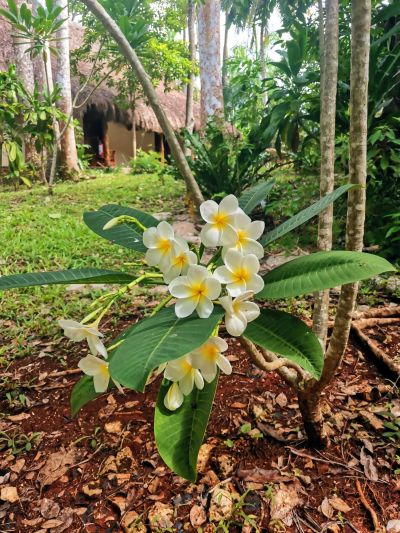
[
  {"x": 242, "y": 236},
  {"x": 241, "y": 275},
  {"x": 180, "y": 260},
  {"x": 236, "y": 307},
  {"x": 187, "y": 367},
  {"x": 104, "y": 370},
  {"x": 209, "y": 351},
  {"x": 164, "y": 245},
  {"x": 198, "y": 290},
  {"x": 220, "y": 221}
]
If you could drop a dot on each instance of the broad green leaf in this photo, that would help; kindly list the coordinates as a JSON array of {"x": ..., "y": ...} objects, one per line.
[
  {"x": 156, "y": 340},
  {"x": 304, "y": 215},
  {"x": 179, "y": 434},
  {"x": 127, "y": 235},
  {"x": 255, "y": 195},
  {"x": 63, "y": 277},
  {"x": 83, "y": 390},
  {"x": 288, "y": 336},
  {"x": 322, "y": 270}
]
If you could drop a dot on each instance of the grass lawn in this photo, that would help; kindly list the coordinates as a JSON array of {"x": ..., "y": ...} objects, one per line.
[{"x": 42, "y": 233}]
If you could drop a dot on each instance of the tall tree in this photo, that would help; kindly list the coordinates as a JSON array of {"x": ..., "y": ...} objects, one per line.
[
  {"x": 69, "y": 156},
  {"x": 191, "y": 24},
  {"x": 209, "y": 37},
  {"x": 23, "y": 59},
  {"x": 329, "y": 74}
]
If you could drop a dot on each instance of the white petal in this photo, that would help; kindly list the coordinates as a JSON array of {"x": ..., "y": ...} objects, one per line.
[
  {"x": 245, "y": 296},
  {"x": 173, "y": 371},
  {"x": 210, "y": 236},
  {"x": 256, "y": 229},
  {"x": 181, "y": 244},
  {"x": 253, "y": 247},
  {"x": 233, "y": 260},
  {"x": 229, "y": 236},
  {"x": 150, "y": 237},
  {"x": 90, "y": 365},
  {"x": 73, "y": 330},
  {"x": 226, "y": 302},
  {"x": 224, "y": 364},
  {"x": 237, "y": 288},
  {"x": 174, "y": 397},
  {"x": 179, "y": 288},
  {"x": 118, "y": 385},
  {"x": 153, "y": 257},
  {"x": 229, "y": 205},
  {"x": 250, "y": 310},
  {"x": 235, "y": 325},
  {"x": 185, "y": 307},
  {"x": 198, "y": 379},
  {"x": 213, "y": 288},
  {"x": 204, "y": 307},
  {"x": 165, "y": 230},
  {"x": 251, "y": 263},
  {"x": 208, "y": 210},
  {"x": 197, "y": 273},
  {"x": 192, "y": 258},
  {"x": 165, "y": 260},
  {"x": 223, "y": 274},
  {"x": 242, "y": 221},
  {"x": 209, "y": 371},
  {"x": 219, "y": 343},
  {"x": 172, "y": 273},
  {"x": 186, "y": 383},
  {"x": 101, "y": 381},
  {"x": 96, "y": 346},
  {"x": 256, "y": 284}
]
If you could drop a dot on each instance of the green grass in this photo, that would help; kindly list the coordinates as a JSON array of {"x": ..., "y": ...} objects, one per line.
[{"x": 42, "y": 233}]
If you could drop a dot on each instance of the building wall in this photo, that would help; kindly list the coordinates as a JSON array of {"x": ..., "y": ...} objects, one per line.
[{"x": 120, "y": 140}]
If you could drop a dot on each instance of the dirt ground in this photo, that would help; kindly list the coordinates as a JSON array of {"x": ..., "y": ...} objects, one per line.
[{"x": 100, "y": 472}]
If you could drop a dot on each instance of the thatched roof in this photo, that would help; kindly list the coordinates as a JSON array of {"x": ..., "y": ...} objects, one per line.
[{"x": 105, "y": 98}]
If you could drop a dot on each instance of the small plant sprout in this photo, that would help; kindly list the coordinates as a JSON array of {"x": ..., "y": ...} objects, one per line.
[{"x": 212, "y": 291}]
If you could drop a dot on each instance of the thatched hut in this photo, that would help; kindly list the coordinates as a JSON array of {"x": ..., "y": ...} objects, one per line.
[{"x": 108, "y": 127}]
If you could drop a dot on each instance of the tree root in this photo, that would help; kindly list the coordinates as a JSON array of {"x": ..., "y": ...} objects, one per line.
[{"x": 377, "y": 526}]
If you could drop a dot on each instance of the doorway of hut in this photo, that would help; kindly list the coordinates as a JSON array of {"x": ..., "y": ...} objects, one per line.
[{"x": 95, "y": 134}]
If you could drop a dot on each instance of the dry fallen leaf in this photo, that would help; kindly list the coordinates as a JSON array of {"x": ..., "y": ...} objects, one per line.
[
  {"x": 285, "y": 499},
  {"x": 326, "y": 508},
  {"x": 160, "y": 516},
  {"x": 132, "y": 523},
  {"x": 109, "y": 465},
  {"x": 393, "y": 526},
  {"x": 197, "y": 516},
  {"x": 125, "y": 461},
  {"x": 369, "y": 466},
  {"x": 226, "y": 465},
  {"x": 19, "y": 417},
  {"x": 114, "y": 428},
  {"x": 281, "y": 400},
  {"x": 56, "y": 465},
  {"x": 18, "y": 466},
  {"x": 9, "y": 494},
  {"x": 339, "y": 505},
  {"x": 52, "y": 523},
  {"x": 204, "y": 457},
  {"x": 92, "y": 489},
  {"x": 49, "y": 508},
  {"x": 222, "y": 502},
  {"x": 66, "y": 517}
]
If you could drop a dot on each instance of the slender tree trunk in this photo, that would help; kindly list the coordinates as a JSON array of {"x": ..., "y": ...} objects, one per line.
[
  {"x": 38, "y": 63},
  {"x": 69, "y": 156},
  {"x": 330, "y": 56},
  {"x": 321, "y": 38},
  {"x": 150, "y": 94},
  {"x": 56, "y": 128},
  {"x": 263, "y": 61},
  {"x": 209, "y": 37},
  {"x": 360, "y": 46},
  {"x": 225, "y": 53},
  {"x": 191, "y": 22}
]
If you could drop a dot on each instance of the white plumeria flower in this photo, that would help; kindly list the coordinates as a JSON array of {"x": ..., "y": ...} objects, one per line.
[
  {"x": 247, "y": 234},
  {"x": 182, "y": 371},
  {"x": 208, "y": 357},
  {"x": 98, "y": 369},
  {"x": 181, "y": 258},
  {"x": 160, "y": 243},
  {"x": 76, "y": 331},
  {"x": 220, "y": 227},
  {"x": 174, "y": 397},
  {"x": 240, "y": 273},
  {"x": 195, "y": 291},
  {"x": 239, "y": 312}
]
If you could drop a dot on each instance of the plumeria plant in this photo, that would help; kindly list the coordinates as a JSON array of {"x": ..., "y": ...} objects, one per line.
[{"x": 213, "y": 291}]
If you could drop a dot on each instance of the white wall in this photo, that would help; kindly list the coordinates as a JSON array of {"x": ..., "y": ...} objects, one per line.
[{"x": 121, "y": 140}]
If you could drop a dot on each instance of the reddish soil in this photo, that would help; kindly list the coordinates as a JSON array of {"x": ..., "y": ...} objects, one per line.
[{"x": 356, "y": 406}]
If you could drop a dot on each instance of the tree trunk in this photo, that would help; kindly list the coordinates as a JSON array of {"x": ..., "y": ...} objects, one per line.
[
  {"x": 191, "y": 21},
  {"x": 69, "y": 156},
  {"x": 263, "y": 62},
  {"x": 56, "y": 128},
  {"x": 150, "y": 94},
  {"x": 309, "y": 405},
  {"x": 38, "y": 63},
  {"x": 321, "y": 38},
  {"x": 360, "y": 46},
  {"x": 225, "y": 53},
  {"x": 330, "y": 58},
  {"x": 209, "y": 37},
  {"x": 23, "y": 59}
]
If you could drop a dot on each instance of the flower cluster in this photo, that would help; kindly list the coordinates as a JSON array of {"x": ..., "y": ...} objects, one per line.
[{"x": 198, "y": 287}]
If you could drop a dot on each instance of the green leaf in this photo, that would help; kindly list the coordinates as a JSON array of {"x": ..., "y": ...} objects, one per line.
[
  {"x": 319, "y": 271},
  {"x": 127, "y": 235},
  {"x": 255, "y": 195},
  {"x": 179, "y": 434},
  {"x": 304, "y": 215},
  {"x": 156, "y": 340},
  {"x": 288, "y": 336},
  {"x": 62, "y": 277}
]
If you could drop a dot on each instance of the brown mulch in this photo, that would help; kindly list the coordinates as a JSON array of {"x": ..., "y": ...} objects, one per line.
[{"x": 256, "y": 454}]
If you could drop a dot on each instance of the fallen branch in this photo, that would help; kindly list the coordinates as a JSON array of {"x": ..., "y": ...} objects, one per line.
[{"x": 377, "y": 526}]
